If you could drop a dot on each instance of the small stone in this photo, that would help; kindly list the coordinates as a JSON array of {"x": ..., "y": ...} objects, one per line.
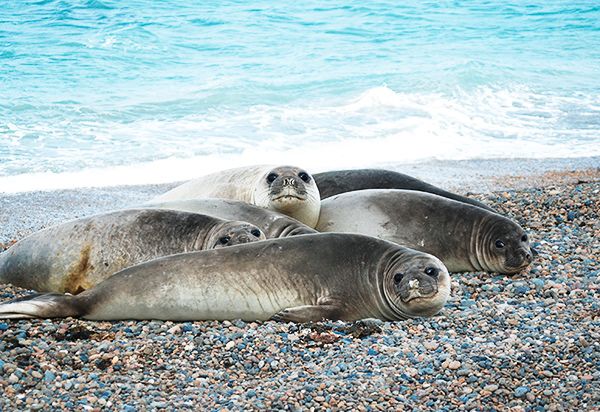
[
  {"x": 49, "y": 376},
  {"x": 491, "y": 388},
  {"x": 454, "y": 365},
  {"x": 521, "y": 391},
  {"x": 13, "y": 378}
]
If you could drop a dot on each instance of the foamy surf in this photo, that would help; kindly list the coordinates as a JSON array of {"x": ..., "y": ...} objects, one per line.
[{"x": 379, "y": 126}]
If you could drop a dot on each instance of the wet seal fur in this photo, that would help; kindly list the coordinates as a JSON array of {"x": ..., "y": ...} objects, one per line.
[
  {"x": 285, "y": 189},
  {"x": 464, "y": 237},
  {"x": 273, "y": 224},
  {"x": 76, "y": 255},
  {"x": 341, "y": 181},
  {"x": 300, "y": 279}
]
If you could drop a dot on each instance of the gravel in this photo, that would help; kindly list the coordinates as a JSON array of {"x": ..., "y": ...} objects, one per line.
[{"x": 528, "y": 342}]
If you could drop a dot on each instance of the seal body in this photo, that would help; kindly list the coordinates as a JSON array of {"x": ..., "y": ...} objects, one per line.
[
  {"x": 341, "y": 181},
  {"x": 285, "y": 189},
  {"x": 300, "y": 278},
  {"x": 273, "y": 224},
  {"x": 464, "y": 237},
  {"x": 76, "y": 255}
]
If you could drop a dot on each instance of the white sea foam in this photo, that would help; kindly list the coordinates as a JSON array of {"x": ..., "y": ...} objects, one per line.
[{"x": 380, "y": 126}]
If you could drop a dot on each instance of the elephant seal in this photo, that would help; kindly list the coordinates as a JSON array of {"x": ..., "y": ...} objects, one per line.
[
  {"x": 76, "y": 255},
  {"x": 272, "y": 224},
  {"x": 299, "y": 279},
  {"x": 464, "y": 237},
  {"x": 341, "y": 181},
  {"x": 284, "y": 189}
]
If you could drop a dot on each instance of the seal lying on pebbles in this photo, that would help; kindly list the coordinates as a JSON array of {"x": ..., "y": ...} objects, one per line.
[
  {"x": 272, "y": 224},
  {"x": 300, "y": 279},
  {"x": 464, "y": 237},
  {"x": 76, "y": 255},
  {"x": 341, "y": 181},
  {"x": 284, "y": 189}
]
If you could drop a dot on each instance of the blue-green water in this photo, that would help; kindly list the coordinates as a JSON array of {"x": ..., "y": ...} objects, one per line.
[{"x": 145, "y": 91}]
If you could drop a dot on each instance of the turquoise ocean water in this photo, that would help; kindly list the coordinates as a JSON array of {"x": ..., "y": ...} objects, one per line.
[{"x": 140, "y": 91}]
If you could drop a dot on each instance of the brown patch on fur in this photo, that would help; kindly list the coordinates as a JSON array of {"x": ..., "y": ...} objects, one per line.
[{"x": 76, "y": 280}]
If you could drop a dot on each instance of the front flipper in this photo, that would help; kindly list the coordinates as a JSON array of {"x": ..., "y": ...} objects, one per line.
[
  {"x": 308, "y": 313},
  {"x": 327, "y": 307}
]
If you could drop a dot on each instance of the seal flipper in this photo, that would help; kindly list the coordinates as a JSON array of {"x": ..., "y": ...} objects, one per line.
[
  {"x": 49, "y": 305},
  {"x": 308, "y": 313}
]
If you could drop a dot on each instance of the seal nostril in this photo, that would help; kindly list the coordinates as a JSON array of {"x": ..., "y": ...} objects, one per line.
[
  {"x": 431, "y": 271},
  {"x": 398, "y": 277},
  {"x": 289, "y": 181}
]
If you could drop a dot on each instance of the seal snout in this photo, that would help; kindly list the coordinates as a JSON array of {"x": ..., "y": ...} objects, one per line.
[
  {"x": 289, "y": 185},
  {"x": 422, "y": 284},
  {"x": 527, "y": 255}
]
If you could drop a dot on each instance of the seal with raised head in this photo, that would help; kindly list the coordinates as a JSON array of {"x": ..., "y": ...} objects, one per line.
[
  {"x": 463, "y": 236},
  {"x": 285, "y": 189},
  {"x": 341, "y": 181},
  {"x": 272, "y": 224},
  {"x": 76, "y": 255},
  {"x": 299, "y": 278}
]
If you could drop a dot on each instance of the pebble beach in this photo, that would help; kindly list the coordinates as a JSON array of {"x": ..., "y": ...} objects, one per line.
[{"x": 527, "y": 342}]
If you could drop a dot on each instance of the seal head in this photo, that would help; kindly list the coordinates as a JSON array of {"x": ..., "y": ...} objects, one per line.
[
  {"x": 416, "y": 286},
  {"x": 233, "y": 233},
  {"x": 504, "y": 246},
  {"x": 289, "y": 190}
]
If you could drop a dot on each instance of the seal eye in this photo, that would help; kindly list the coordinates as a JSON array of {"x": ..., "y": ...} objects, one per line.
[
  {"x": 304, "y": 176},
  {"x": 524, "y": 238},
  {"x": 433, "y": 272},
  {"x": 271, "y": 177},
  {"x": 255, "y": 232},
  {"x": 224, "y": 240},
  {"x": 499, "y": 244},
  {"x": 398, "y": 277}
]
